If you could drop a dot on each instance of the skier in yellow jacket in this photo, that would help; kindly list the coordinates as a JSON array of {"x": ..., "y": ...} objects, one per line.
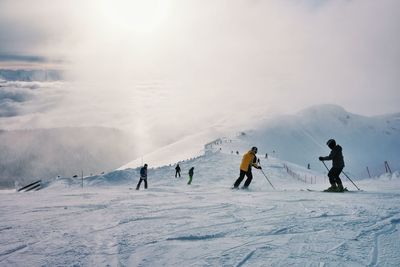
[{"x": 249, "y": 160}]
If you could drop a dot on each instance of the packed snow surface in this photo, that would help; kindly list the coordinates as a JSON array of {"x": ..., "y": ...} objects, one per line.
[{"x": 108, "y": 223}]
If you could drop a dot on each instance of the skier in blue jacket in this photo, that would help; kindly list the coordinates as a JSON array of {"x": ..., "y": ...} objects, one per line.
[{"x": 143, "y": 177}]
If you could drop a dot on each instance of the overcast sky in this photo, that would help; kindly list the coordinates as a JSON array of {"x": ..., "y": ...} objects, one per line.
[{"x": 185, "y": 63}]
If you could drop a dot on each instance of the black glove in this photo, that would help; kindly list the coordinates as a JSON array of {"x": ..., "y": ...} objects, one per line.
[
  {"x": 259, "y": 167},
  {"x": 321, "y": 158}
]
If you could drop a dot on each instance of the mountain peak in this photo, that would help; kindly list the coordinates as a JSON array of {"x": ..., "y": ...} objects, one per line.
[{"x": 326, "y": 109}]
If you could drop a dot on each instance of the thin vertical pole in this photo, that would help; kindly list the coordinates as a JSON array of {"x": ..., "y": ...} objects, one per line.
[{"x": 387, "y": 168}]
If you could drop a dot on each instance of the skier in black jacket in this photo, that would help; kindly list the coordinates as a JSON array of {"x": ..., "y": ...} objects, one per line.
[
  {"x": 336, "y": 156},
  {"x": 177, "y": 171},
  {"x": 143, "y": 177},
  {"x": 191, "y": 172}
]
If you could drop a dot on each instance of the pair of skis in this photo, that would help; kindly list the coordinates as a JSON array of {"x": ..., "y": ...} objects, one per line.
[
  {"x": 344, "y": 175},
  {"x": 324, "y": 191},
  {"x": 344, "y": 190},
  {"x": 265, "y": 178},
  {"x": 33, "y": 186}
]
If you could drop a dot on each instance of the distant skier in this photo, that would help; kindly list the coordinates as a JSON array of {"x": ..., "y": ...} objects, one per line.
[
  {"x": 177, "y": 170},
  {"x": 143, "y": 177},
  {"x": 337, "y": 166},
  {"x": 191, "y": 172},
  {"x": 249, "y": 160},
  {"x": 266, "y": 155}
]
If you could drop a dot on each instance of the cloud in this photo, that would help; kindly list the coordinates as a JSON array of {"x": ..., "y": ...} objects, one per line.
[
  {"x": 280, "y": 54},
  {"x": 187, "y": 65},
  {"x": 23, "y": 58},
  {"x": 27, "y": 98}
]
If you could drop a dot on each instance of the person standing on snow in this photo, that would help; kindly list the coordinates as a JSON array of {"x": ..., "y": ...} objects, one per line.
[
  {"x": 143, "y": 177},
  {"x": 191, "y": 172},
  {"x": 337, "y": 166},
  {"x": 249, "y": 160},
  {"x": 177, "y": 171}
]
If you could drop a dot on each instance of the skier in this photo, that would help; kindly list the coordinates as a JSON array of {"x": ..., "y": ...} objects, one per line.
[
  {"x": 337, "y": 166},
  {"x": 249, "y": 160},
  {"x": 143, "y": 177},
  {"x": 177, "y": 171},
  {"x": 191, "y": 172}
]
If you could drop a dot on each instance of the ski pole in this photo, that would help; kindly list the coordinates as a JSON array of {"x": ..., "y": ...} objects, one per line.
[
  {"x": 267, "y": 179},
  {"x": 325, "y": 166},
  {"x": 344, "y": 174},
  {"x": 350, "y": 180}
]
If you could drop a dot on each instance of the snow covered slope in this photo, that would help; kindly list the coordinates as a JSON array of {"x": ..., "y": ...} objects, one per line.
[
  {"x": 189, "y": 147},
  {"x": 301, "y": 139},
  {"x": 108, "y": 223},
  {"x": 214, "y": 169},
  {"x": 204, "y": 224}
]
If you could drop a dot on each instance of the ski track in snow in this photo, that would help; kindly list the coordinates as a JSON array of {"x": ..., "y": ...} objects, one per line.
[
  {"x": 231, "y": 234},
  {"x": 205, "y": 224}
]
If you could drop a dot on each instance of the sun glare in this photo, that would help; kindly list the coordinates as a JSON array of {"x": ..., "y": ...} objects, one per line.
[{"x": 140, "y": 16}]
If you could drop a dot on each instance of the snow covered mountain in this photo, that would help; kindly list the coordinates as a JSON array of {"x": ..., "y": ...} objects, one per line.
[
  {"x": 108, "y": 223},
  {"x": 301, "y": 139}
]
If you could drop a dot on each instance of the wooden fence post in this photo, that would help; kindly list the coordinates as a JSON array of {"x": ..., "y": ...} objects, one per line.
[
  {"x": 387, "y": 168},
  {"x": 368, "y": 172}
]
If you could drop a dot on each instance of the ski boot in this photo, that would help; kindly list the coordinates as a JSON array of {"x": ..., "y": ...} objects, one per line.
[
  {"x": 340, "y": 188},
  {"x": 333, "y": 188}
]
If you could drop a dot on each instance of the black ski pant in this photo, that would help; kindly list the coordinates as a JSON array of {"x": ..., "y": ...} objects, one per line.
[
  {"x": 140, "y": 181},
  {"x": 241, "y": 177},
  {"x": 177, "y": 173},
  {"x": 333, "y": 175}
]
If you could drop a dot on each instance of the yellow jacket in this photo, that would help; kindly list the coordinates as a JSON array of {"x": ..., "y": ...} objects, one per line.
[{"x": 248, "y": 161}]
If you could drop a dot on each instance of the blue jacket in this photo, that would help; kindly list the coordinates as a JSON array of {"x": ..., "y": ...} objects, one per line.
[{"x": 143, "y": 173}]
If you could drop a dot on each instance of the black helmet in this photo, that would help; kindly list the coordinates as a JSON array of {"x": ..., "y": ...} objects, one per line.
[
  {"x": 145, "y": 165},
  {"x": 331, "y": 143},
  {"x": 254, "y": 149}
]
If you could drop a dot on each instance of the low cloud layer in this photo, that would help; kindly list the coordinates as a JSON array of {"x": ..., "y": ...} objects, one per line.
[{"x": 22, "y": 103}]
